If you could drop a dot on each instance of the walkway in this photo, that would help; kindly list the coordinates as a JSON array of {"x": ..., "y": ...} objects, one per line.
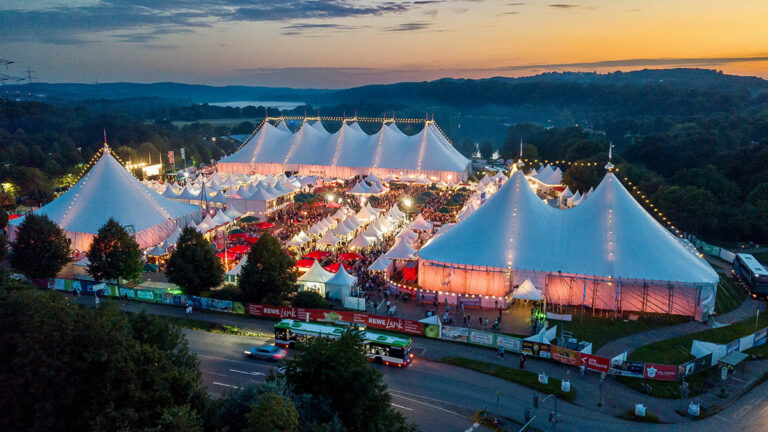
[{"x": 634, "y": 341}]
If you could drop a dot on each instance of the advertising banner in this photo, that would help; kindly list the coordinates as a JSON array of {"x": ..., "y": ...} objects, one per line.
[
  {"x": 372, "y": 321},
  {"x": 238, "y": 308},
  {"x": 170, "y": 158},
  {"x": 482, "y": 338},
  {"x": 565, "y": 355},
  {"x": 536, "y": 349},
  {"x": 145, "y": 295},
  {"x": 128, "y": 292},
  {"x": 627, "y": 368},
  {"x": 428, "y": 296},
  {"x": 509, "y": 343},
  {"x": 460, "y": 334},
  {"x": 733, "y": 346},
  {"x": 595, "y": 363},
  {"x": 58, "y": 284},
  {"x": 759, "y": 336},
  {"x": 469, "y": 301},
  {"x": 702, "y": 363},
  {"x": 660, "y": 372}
]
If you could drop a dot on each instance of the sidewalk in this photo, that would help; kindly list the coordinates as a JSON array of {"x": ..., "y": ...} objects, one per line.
[
  {"x": 634, "y": 341},
  {"x": 617, "y": 397}
]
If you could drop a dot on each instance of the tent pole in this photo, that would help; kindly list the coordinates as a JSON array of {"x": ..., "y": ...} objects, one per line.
[{"x": 583, "y": 300}]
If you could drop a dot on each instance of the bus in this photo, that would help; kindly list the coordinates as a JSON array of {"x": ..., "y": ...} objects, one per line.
[
  {"x": 753, "y": 274},
  {"x": 379, "y": 347}
]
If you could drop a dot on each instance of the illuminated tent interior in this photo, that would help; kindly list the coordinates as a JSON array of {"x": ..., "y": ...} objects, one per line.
[
  {"x": 109, "y": 190},
  {"x": 607, "y": 253},
  {"x": 312, "y": 150}
]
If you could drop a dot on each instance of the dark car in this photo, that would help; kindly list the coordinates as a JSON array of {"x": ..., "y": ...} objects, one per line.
[{"x": 266, "y": 352}]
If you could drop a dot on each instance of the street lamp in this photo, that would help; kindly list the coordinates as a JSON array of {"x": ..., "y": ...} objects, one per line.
[{"x": 407, "y": 201}]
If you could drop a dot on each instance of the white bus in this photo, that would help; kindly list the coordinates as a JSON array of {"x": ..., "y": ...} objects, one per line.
[{"x": 380, "y": 347}]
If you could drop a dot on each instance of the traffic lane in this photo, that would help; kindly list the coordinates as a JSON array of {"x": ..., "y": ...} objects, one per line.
[{"x": 224, "y": 367}]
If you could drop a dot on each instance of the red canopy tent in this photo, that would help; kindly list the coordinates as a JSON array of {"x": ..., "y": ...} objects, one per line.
[
  {"x": 305, "y": 264},
  {"x": 333, "y": 205},
  {"x": 333, "y": 268},
  {"x": 227, "y": 255},
  {"x": 318, "y": 204},
  {"x": 13, "y": 216},
  {"x": 236, "y": 236},
  {"x": 410, "y": 271},
  {"x": 318, "y": 254},
  {"x": 239, "y": 249},
  {"x": 350, "y": 256},
  {"x": 265, "y": 225},
  {"x": 251, "y": 240}
]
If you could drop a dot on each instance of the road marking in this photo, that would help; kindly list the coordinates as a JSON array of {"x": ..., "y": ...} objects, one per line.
[
  {"x": 226, "y": 385},
  {"x": 213, "y": 373},
  {"x": 247, "y": 373},
  {"x": 430, "y": 405},
  {"x": 400, "y": 406},
  {"x": 741, "y": 412},
  {"x": 748, "y": 383},
  {"x": 229, "y": 360},
  {"x": 473, "y": 427}
]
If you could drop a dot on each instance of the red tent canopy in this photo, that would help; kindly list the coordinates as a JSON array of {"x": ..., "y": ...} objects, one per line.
[
  {"x": 265, "y": 225},
  {"x": 333, "y": 205},
  {"x": 239, "y": 249},
  {"x": 350, "y": 256},
  {"x": 410, "y": 271},
  {"x": 304, "y": 263},
  {"x": 333, "y": 268},
  {"x": 318, "y": 204},
  {"x": 251, "y": 240},
  {"x": 236, "y": 236},
  {"x": 13, "y": 216},
  {"x": 318, "y": 254},
  {"x": 228, "y": 256}
]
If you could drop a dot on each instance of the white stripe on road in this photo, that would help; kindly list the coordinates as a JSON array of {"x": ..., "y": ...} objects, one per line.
[
  {"x": 226, "y": 385},
  {"x": 400, "y": 406},
  {"x": 473, "y": 427},
  {"x": 430, "y": 405},
  {"x": 247, "y": 373}
]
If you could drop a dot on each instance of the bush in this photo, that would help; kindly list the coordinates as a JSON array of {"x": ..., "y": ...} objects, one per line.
[{"x": 310, "y": 299}]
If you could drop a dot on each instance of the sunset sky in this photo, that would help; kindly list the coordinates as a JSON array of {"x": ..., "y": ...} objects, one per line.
[{"x": 333, "y": 43}]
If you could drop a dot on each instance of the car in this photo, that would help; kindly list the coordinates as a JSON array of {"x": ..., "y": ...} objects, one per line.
[{"x": 266, "y": 352}]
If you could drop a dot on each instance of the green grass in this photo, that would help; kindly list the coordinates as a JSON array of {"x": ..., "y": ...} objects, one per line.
[
  {"x": 729, "y": 296},
  {"x": 678, "y": 350},
  {"x": 522, "y": 377},
  {"x": 649, "y": 417},
  {"x": 211, "y": 327},
  {"x": 600, "y": 331}
]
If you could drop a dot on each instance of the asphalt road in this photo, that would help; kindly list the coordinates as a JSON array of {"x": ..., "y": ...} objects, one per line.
[{"x": 440, "y": 397}]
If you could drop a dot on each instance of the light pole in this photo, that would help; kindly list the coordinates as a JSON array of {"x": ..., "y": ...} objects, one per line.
[{"x": 407, "y": 202}]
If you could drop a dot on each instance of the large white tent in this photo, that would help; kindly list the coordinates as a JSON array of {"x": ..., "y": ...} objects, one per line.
[
  {"x": 312, "y": 150},
  {"x": 106, "y": 191},
  {"x": 607, "y": 253}
]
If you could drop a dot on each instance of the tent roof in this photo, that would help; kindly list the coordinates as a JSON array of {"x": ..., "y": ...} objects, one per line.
[
  {"x": 420, "y": 223},
  {"x": 220, "y": 218},
  {"x": 380, "y": 264},
  {"x": 361, "y": 241},
  {"x": 239, "y": 267},
  {"x": 401, "y": 250},
  {"x": 342, "y": 278},
  {"x": 328, "y": 239},
  {"x": 609, "y": 235},
  {"x": 526, "y": 291},
  {"x": 361, "y": 188},
  {"x": 109, "y": 190},
  {"x": 316, "y": 273}
]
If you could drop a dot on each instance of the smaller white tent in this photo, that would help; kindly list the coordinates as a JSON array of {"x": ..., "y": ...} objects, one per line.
[
  {"x": 527, "y": 291},
  {"x": 701, "y": 348},
  {"x": 380, "y": 264},
  {"x": 395, "y": 213},
  {"x": 365, "y": 215},
  {"x": 315, "y": 278},
  {"x": 401, "y": 250},
  {"x": 220, "y": 218},
  {"x": 232, "y": 275},
  {"x": 207, "y": 223},
  {"x": 340, "y": 285},
  {"x": 232, "y": 213},
  {"x": 361, "y": 188},
  {"x": 420, "y": 223},
  {"x": 157, "y": 251},
  {"x": 361, "y": 241},
  {"x": 372, "y": 232},
  {"x": 174, "y": 237},
  {"x": 371, "y": 209},
  {"x": 328, "y": 239}
]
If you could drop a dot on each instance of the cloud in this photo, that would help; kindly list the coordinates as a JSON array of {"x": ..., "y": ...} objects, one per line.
[
  {"x": 410, "y": 26},
  {"x": 679, "y": 62},
  {"x": 507, "y": 13},
  {"x": 137, "y": 21},
  {"x": 432, "y": 13},
  {"x": 563, "y": 6},
  {"x": 459, "y": 11}
]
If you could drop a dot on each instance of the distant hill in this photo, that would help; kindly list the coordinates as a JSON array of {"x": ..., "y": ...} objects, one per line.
[{"x": 186, "y": 93}]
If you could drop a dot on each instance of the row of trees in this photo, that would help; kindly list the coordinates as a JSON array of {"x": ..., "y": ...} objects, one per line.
[
  {"x": 71, "y": 368},
  {"x": 41, "y": 250}
]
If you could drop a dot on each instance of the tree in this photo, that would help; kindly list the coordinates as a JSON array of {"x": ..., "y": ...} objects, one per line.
[
  {"x": 194, "y": 265},
  {"x": 272, "y": 413},
  {"x": 114, "y": 254},
  {"x": 180, "y": 419},
  {"x": 270, "y": 274},
  {"x": 338, "y": 370},
  {"x": 309, "y": 299},
  {"x": 40, "y": 250},
  {"x": 92, "y": 362}
]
